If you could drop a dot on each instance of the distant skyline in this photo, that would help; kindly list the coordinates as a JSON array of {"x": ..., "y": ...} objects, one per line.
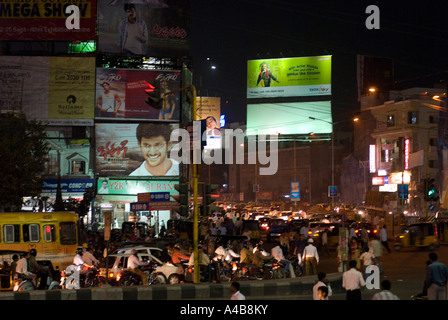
[{"x": 414, "y": 34}]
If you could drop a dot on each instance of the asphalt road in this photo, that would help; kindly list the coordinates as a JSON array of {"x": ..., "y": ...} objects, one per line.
[{"x": 405, "y": 269}]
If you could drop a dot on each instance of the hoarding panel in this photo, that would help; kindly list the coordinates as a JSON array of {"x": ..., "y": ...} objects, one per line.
[
  {"x": 161, "y": 27},
  {"x": 289, "y": 77},
  {"x": 56, "y": 90},
  {"x": 121, "y": 94},
  {"x": 289, "y": 118},
  {"x": 43, "y": 20},
  {"x": 119, "y": 153}
]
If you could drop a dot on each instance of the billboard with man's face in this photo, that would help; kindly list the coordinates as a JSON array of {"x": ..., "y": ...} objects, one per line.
[
  {"x": 289, "y": 77},
  {"x": 135, "y": 150}
]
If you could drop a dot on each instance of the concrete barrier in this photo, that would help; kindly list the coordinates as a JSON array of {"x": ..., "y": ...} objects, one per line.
[{"x": 251, "y": 289}]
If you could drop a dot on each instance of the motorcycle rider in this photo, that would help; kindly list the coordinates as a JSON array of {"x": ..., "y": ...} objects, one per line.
[
  {"x": 246, "y": 254},
  {"x": 260, "y": 255},
  {"x": 277, "y": 253},
  {"x": 22, "y": 269},
  {"x": 40, "y": 271},
  {"x": 133, "y": 266},
  {"x": 81, "y": 265},
  {"x": 177, "y": 256}
]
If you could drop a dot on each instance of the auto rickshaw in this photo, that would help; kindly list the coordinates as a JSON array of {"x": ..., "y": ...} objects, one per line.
[{"x": 417, "y": 235}]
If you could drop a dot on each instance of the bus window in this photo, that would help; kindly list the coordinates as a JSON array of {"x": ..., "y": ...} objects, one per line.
[
  {"x": 67, "y": 232},
  {"x": 11, "y": 232},
  {"x": 31, "y": 233},
  {"x": 49, "y": 233}
]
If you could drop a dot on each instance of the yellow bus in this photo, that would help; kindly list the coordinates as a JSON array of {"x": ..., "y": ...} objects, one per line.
[{"x": 53, "y": 234}]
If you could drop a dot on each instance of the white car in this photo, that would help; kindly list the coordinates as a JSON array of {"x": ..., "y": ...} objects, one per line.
[{"x": 166, "y": 272}]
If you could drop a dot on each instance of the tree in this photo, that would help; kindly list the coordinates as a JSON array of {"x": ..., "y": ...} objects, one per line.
[{"x": 23, "y": 154}]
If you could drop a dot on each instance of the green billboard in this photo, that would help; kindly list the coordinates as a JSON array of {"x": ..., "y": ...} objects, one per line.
[{"x": 289, "y": 77}]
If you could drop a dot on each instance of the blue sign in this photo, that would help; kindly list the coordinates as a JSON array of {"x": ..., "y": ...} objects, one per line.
[
  {"x": 75, "y": 186},
  {"x": 159, "y": 196},
  {"x": 431, "y": 207},
  {"x": 403, "y": 191},
  {"x": 332, "y": 191},
  {"x": 295, "y": 190},
  {"x": 139, "y": 206}
]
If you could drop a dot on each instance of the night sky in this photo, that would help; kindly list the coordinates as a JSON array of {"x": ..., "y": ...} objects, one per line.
[{"x": 414, "y": 34}]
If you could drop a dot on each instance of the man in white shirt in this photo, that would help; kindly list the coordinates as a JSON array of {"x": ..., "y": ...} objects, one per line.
[
  {"x": 22, "y": 269},
  {"x": 236, "y": 294},
  {"x": 154, "y": 143},
  {"x": 352, "y": 281},
  {"x": 321, "y": 282},
  {"x": 383, "y": 238},
  {"x": 88, "y": 257},
  {"x": 277, "y": 254},
  {"x": 310, "y": 257},
  {"x": 133, "y": 264}
]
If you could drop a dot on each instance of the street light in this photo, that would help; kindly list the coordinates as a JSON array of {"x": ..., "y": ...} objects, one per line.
[{"x": 332, "y": 155}]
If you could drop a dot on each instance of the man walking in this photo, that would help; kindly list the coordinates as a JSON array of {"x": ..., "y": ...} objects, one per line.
[
  {"x": 352, "y": 281},
  {"x": 436, "y": 279},
  {"x": 383, "y": 238}
]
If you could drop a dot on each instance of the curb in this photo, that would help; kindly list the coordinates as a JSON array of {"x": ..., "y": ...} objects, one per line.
[{"x": 251, "y": 289}]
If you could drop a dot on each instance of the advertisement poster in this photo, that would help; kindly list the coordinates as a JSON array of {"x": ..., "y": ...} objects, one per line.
[
  {"x": 144, "y": 27},
  {"x": 134, "y": 187},
  {"x": 135, "y": 150},
  {"x": 209, "y": 109},
  {"x": 43, "y": 20},
  {"x": 54, "y": 90},
  {"x": 289, "y": 118},
  {"x": 289, "y": 77},
  {"x": 121, "y": 94}
]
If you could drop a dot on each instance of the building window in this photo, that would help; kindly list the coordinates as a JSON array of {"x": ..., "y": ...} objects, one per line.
[
  {"x": 390, "y": 120},
  {"x": 433, "y": 142},
  {"x": 78, "y": 167},
  {"x": 412, "y": 117},
  {"x": 433, "y": 119}
]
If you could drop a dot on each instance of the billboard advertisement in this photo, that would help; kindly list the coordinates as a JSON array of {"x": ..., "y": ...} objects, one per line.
[
  {"x": 289, "y": 118},
  {"x": 209, "y": 109},
  {"x": 121, "y": 93},
  {"x": 54, "y": 90},
  {"x": 134, "y": 150},
  {"x": 43, "y": 20},
  {"x": 289, "y": 77},
  {"x": 144, "y": 27}
]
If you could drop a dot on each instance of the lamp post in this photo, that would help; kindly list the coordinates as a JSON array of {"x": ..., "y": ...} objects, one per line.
[{"x": 332, "y": 158}]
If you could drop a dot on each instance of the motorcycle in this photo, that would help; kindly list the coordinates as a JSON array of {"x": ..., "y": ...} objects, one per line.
[
  {"x": 72, "y": 279},
  {"x": 129, "y": 278}
]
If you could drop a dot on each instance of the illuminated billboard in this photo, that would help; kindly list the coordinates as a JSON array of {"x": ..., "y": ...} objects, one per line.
[
  {"x": 54, "y": 90},
  {"x": 289, "y": 77},
  {"x": 43, "y": 20},
  {"x": 134, "y": 150},
  {"x": 209, "y": 109},
  {"x": 289, "y": 118},
  {"x": 121, "y": 93},
  {"x": 141, "y": 27}
]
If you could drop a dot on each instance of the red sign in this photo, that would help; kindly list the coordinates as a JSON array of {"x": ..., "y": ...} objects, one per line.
[{"x": 46, "y": 20}]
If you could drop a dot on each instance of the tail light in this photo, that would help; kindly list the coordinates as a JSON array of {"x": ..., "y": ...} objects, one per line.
[
  {"x": 234, "y": 267},
  {"x": 111, "y": 274},
  {"x": 190, "y": 270},
  {"x": 118, "y": 276}
]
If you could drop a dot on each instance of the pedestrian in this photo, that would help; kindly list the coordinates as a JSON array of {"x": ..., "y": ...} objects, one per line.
[
  {"x": 322, "y": 293},
  {"x": 436, "y": 279},
  {"x": 383, "y": 238},
  {"x": 235, "y": 290},
  {"x": 367, "y": 258},
  {"x": 377, "y": 250},
  {"x": 324, "y": 243},
  {"x": 321, "y": 282},
  {"x": 385, "y": 294},
  {"x": 310, "y": 258},
  {"x": 352, "y": 282}
]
